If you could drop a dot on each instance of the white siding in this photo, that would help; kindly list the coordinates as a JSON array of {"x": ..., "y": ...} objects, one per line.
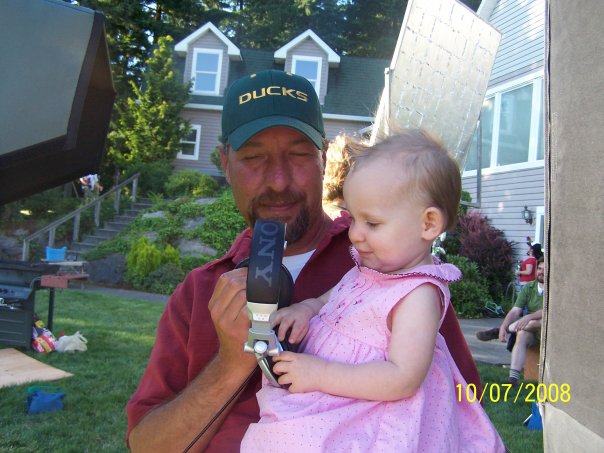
[{"x": 522, "y": 48}]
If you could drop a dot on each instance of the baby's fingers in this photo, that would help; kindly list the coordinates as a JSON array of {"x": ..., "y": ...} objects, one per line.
[
  {"x": 284, "y": 326},
  {"x": 298, "y": 332}
]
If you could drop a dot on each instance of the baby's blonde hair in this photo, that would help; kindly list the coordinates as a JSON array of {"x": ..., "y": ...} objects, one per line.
[
  {"x": 431, "y": 175},
  {"x": 340, "y": 153}
]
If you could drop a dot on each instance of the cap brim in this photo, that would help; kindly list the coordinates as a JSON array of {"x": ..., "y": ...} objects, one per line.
[{"x": 242, "y": 134}]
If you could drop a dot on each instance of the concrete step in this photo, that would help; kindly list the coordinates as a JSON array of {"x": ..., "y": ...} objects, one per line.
[
  {"x": 93, "y": 239},
  {"x": 82, "y": 247},
  {"x": 106, "y": 233},
  {"x": 141, "y": 204},
  {"x": 111, "y": 228},
  {"x": 132, "y": 212},
  {"x": 120, "y": 226},
  {"x": 124, "y": 218}
]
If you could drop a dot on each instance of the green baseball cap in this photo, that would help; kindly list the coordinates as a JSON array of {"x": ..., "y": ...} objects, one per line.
[{"x": 271, "y": 98}]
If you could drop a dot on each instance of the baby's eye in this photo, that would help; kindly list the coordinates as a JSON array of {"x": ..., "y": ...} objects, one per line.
[{"x": 372, "y": 224}]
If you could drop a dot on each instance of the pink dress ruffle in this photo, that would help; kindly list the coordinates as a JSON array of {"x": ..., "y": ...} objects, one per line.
[{"x": 351, "y": 328}]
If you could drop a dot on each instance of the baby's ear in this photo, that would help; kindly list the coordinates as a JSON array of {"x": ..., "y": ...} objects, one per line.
[{"x": 433, "y": 223}]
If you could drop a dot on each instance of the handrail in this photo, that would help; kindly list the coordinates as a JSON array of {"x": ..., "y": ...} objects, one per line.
[{"x": 75, "y": 215}]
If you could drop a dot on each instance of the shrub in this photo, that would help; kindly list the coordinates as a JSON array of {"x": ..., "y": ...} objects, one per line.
[
  {"x": 469, "y": 295},
  {"x": 144, "y": 258},
  {"x": 170, "y": 255},
  {"x": 463, "y": 209},
  {"x": 223, "y": 223},
  {"x": 164, "y": 279},
  {"x": 488, "y": 248},
  {"x": 188, "y": 263},
  {"x": 190, "y": 182},
  {"x": 215, "y": 159},
  {"x": 116, "y": 245},
  {"x": 154, "y": 176}
]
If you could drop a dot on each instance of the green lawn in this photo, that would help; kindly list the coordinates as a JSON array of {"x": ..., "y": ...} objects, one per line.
[{"x": 120, "y": 335}]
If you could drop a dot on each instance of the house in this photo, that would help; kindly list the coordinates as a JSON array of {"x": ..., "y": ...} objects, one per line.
[
  {"x": 512, "y": 169},
  {"x": 348, "y": 87}
]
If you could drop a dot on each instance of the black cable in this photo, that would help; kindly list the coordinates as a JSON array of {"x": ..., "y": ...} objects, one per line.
[{"x": 215, "y": 417}]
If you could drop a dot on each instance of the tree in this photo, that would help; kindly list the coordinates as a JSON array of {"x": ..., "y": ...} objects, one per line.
[{"x": 150, "y": 127}]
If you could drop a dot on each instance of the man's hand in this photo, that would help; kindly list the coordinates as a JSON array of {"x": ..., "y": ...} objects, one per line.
[
  {"x": 503, "y": 334},
  {"x": 229, "y": 314},
  {"x": 522, "y": 323},
  {"x": 303, "y": 371},
  {"x": 296, "y": 317}
]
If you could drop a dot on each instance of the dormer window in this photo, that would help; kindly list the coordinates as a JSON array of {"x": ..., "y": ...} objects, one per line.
[
  {"x": 207, "y": 64},
  {"x": 308, "y": 67}
]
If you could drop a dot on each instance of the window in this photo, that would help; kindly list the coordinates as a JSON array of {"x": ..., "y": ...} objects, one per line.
[
  {"x": 190, "y": 144},
  {"x": 512, "y": 128},
  {"x": 310, "y": 68},
  {"x": 207, "y": 65}
]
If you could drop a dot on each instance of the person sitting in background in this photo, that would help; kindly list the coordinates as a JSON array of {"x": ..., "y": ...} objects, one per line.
[
  {"x": 337, "y": 164},
  {"x": 518, "y": 329}
]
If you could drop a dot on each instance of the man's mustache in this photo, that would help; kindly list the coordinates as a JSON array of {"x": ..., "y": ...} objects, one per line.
[{"x": 270, "y": 198}]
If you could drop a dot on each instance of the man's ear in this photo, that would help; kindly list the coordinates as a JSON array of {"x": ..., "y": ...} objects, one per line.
[
  {"x": 324, "y": 154},
  {"x": 223, "y": 152},
  {"x": 433, "y": 223}
]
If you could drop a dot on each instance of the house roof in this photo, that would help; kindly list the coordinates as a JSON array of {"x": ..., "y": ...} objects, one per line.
[
  {"x": 332, "y": 58},
  {"x": 181, "y": 47},
  {"x": 353, "y": 88}
]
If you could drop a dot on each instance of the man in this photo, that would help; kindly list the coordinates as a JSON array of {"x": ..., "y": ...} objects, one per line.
[
  {"x": 527, "y": 328},
  {"x": 273, "y": 159}
]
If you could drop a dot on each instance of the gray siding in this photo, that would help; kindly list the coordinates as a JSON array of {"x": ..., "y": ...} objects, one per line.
[
  {"x": 522, "y": 47},
  {"x": 208, "y": 41},
  {"x": 309, "y": 48},
  {"x": 503, "y": 198},
  {"x": 210, "y": 122}
]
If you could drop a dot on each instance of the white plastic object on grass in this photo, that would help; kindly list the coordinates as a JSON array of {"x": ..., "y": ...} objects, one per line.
[{"x": 71, "y": 343}]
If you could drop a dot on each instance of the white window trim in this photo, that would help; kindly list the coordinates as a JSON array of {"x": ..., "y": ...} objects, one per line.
[
  {"x": 196, "y": 53},
  {"x": 539, "y": 217},
  {"x": 195, "y": 156},
  {"x": 536, "y": 79},
  {"x": 317, "y": 60}
]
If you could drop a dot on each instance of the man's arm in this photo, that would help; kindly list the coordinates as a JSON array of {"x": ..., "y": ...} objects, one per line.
[
  {"x": 530, "y": 322},
  {"x": 172, "y": 426},
  {"x": 513, "y": 315}
]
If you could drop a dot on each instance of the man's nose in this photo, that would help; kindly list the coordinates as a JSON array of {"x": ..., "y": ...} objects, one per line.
[{"x": 278, "y": 174}]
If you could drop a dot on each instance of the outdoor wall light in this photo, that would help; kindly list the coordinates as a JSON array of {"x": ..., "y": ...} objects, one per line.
[{"x": 527, "y": 215}]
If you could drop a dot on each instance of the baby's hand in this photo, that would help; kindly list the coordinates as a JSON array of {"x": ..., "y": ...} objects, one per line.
[
  {"x": 303, "y": 372},
  {"x": 295, "y": 317}
]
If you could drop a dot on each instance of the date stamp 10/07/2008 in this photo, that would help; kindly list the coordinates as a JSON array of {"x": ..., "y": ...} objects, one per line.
[{"x": 525, "y": 392}]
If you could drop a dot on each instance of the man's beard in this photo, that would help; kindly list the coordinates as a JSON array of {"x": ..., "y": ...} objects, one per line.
[{"x": 295, "y": 228}]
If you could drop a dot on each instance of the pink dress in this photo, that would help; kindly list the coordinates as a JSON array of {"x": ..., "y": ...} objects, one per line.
[{"x": 351, "y": 328}]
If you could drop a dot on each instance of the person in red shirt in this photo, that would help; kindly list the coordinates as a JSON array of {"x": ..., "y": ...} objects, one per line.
[
  {"x": 273, "y": 157},
  {"x": 528, "y": 267}
]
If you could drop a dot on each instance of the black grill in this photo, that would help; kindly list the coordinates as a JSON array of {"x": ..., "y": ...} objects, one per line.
[{"x": 18, "y": 283}]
